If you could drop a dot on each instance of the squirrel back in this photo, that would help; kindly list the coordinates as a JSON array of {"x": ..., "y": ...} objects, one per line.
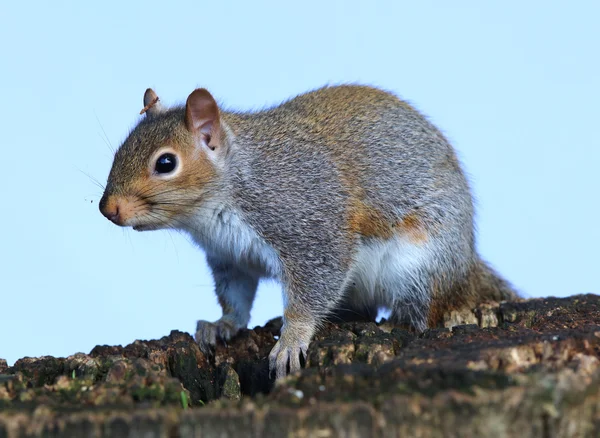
[{"x": 377, "y": 169}]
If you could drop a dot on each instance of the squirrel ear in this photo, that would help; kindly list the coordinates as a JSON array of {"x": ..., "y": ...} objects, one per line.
[
  {"x": 152, "y": 105},
  {"x": 202, "y": 117}
]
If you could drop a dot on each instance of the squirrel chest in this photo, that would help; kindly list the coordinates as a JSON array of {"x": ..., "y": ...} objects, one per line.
[{"x": 222, "y": 233}]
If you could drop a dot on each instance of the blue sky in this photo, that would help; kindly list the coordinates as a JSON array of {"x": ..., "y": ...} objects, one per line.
[{"x": 514, "y": 85}]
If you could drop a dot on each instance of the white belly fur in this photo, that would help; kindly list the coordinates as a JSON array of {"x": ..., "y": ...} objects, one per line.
[{"x": 387, "y": 270}]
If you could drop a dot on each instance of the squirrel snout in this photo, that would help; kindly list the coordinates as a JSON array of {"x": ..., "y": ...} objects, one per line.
[{"x": 109, "y": 207}]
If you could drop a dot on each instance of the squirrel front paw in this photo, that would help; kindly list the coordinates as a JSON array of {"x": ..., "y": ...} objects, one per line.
[
  {"x": 286, "y": 351},
  {"x": 209, "y": 333}
]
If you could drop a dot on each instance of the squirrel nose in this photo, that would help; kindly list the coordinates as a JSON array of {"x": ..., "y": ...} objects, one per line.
[
  {"x": 112, "y": 215},
  {"x": 110, "y": 209}
]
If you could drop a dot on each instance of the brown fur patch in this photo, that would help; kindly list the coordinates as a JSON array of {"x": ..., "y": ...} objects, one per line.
[
  {"x": 412, "y": 226},
  {"x": 369, "y": 222},
  {"x": 197, "y": 171}
]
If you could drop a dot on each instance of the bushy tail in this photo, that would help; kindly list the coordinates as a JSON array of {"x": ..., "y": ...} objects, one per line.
[
  {"x": 489, "y": 285},
  {"x": 481, "y": 284}
]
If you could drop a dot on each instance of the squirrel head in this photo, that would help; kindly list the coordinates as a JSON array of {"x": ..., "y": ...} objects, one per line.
[{"x": 167, "y": 166}]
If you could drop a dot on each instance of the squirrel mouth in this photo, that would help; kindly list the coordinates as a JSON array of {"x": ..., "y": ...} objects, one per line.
[{"x": 144, "y": 227}]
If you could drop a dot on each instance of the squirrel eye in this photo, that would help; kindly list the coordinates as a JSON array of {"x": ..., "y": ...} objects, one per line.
[{"x": 166, "y": 163}]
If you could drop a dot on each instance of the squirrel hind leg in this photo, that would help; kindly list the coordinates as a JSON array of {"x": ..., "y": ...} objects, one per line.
[
  {"x": 412, "y": 313},
  {"x": 347, "y": 311}
]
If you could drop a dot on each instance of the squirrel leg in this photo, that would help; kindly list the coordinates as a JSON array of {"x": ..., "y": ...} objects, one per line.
[
  {"x": 235, "y": 291},
  {"x": 296, "y": 334},
  {"x": 306, "y": 308},
  {"x": 411, "y": 310}
]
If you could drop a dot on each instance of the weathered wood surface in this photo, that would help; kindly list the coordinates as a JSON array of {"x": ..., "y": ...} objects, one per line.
[{"x": 521, "y": 369}]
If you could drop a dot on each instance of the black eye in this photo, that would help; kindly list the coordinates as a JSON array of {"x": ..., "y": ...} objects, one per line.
[{"x": 166, "y": 163}]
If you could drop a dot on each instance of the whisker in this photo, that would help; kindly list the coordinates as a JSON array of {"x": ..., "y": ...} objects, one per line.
[
  {"x": 164, "y": 205},
  {"x": 174, "y": 246},
  {"x": 152, "y": 192},
  {"x": 167, "y": 183},
  {"x": 161, "y": 207},
  {"x": 159, "y": 184},
  {"x": 129, "y": 239},
  {"x": 106, "y": 139},
  {"x": 94, "y": 180}
]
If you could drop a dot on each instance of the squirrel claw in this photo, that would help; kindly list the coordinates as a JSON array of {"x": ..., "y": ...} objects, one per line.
[
  {"x": 209, "y": 333},
  {"x": 286, "y": 354}
]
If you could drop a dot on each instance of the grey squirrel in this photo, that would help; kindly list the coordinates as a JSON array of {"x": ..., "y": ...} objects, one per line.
[{"x": 346, "y": 195}]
